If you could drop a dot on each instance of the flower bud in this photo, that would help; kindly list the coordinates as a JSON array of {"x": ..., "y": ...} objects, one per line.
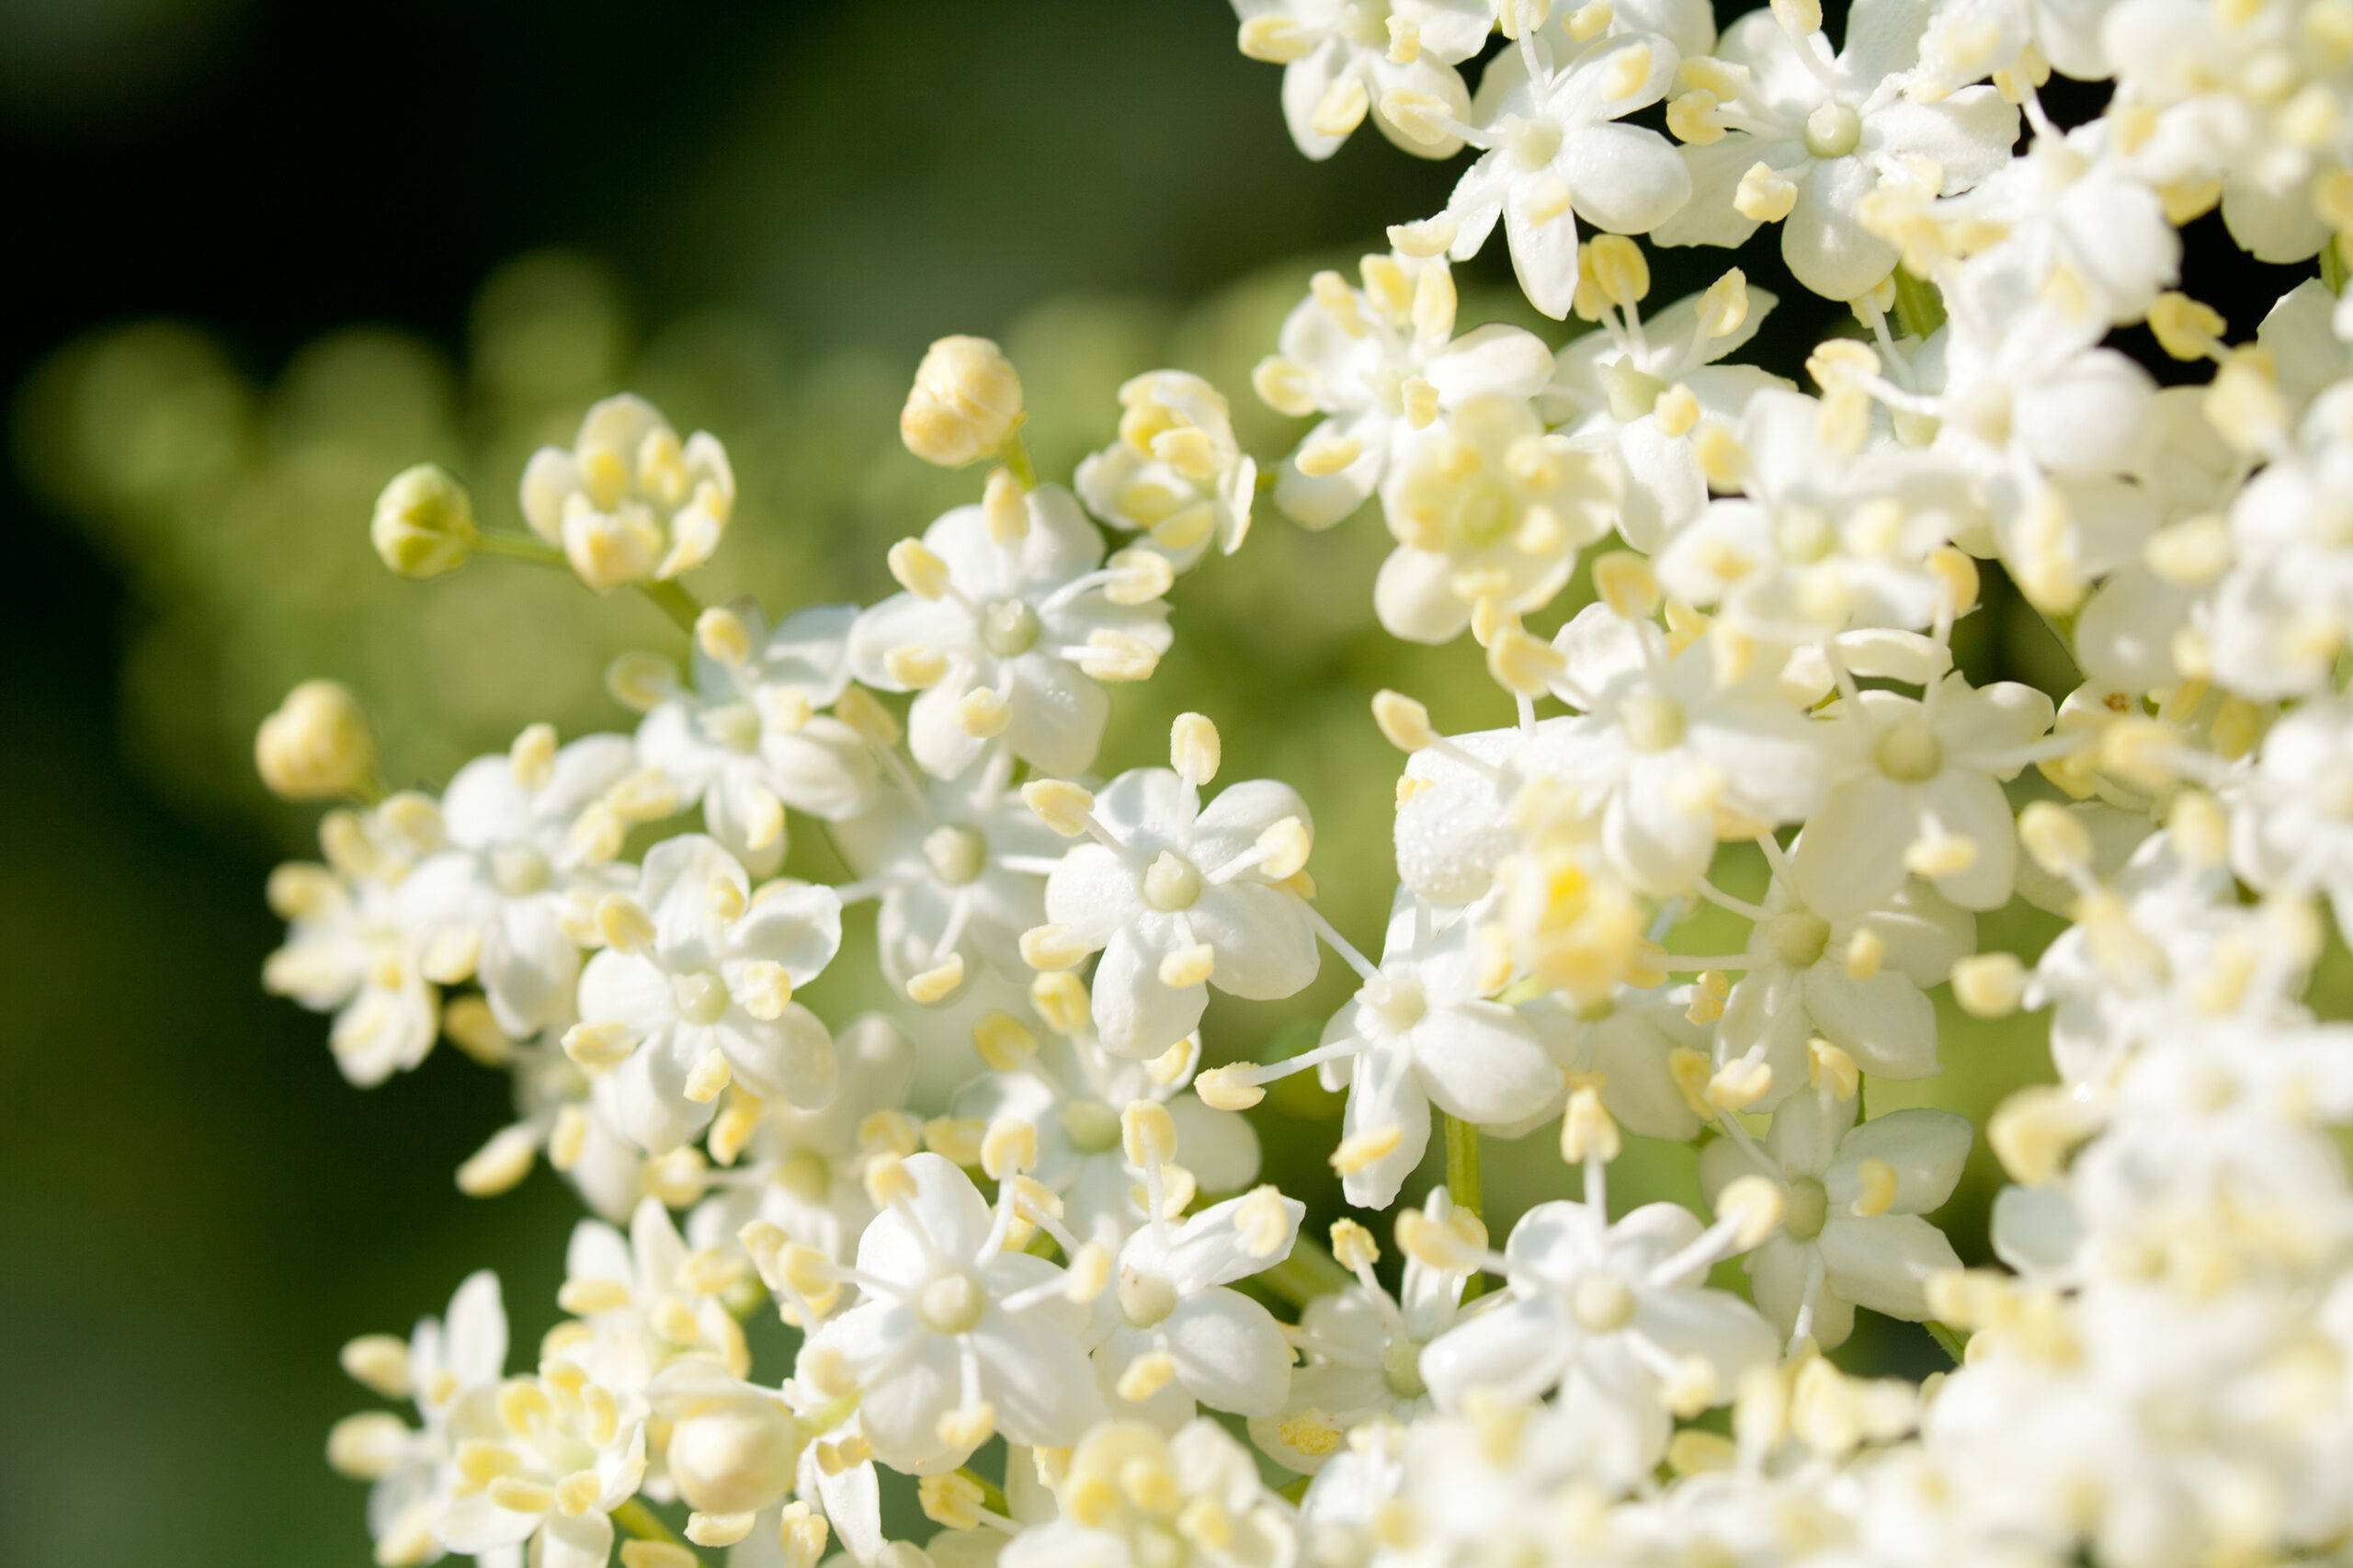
[
  {"x": 964, "y": 405},
  {"x": 734, "y": 1457},
  {"x": 317, "y": 745},
  {"x": 423, "y": 524}
]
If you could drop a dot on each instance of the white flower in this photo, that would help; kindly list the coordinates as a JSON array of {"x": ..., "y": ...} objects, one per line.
[
  {"x": 1556, "y": 153},
  {"x": 570, "y": 1452},
  {"x": 1615, "y": 1316},
  {"x": 2161, "y": 950},
  {"x": 1179, "y": 898},
  {"x": 1857, "y": 978},
  {"x": 1341, "y": 60},
  {"x": 1784, "y": 129},
  {"x": 1175, "y": 1332},
  {"x": 1176, "y": 474},
  {"x": 1378, "y": 364},
  {"x": 1619, "y": 389},
  {"x": 804, "y": 1171},
  {"x": 450, "y": 1367},
  {"x": 1917, "y": 786},
  {"x": 1822, "y": 536},
  {"x": 2078, "y": 224},
  {"x": 957, "y": 1333},
  {"x": 1420, "y": 1030},
  {"x": 644, "y": 1301},
  {"x": 958, "y": 864},
  {"x": 1487, "y": 507},
  {"x": 1632, "y": 1044},
  {"x": 629, "y": 502},
  {"x": 1454, "y": 820},
  {"x": 746, "y": 738},
  {"x": 1009, "y": 619},
  {"x": 1364, "y": 1349},
  {"x": 1663, "y": 751},
  {"x": 2230, "y": 95},
  {"x": 2291, "y": 830},
  {"x": 2279, "y": 617},
  {"x": 697, "y": 992},
  {"x": 508, "y": 901},
  {"x": 351, "y": 951},
  {"x": 1851, "y": 1232},
  {"x": 1134, "y": 1498},
  {"x": 1073, "y": 1092}
]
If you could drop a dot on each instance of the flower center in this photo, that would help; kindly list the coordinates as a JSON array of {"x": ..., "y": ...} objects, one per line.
[
  {"x": 1396, "y": 999},
  {"x": 1909, "y": 751},
  {"x": 1633, "y": 393},
  {"x": 806, "y": 1174},
  {"x": 1482, "y": 512},
  {"x": 701, "y": 996},
  {"x": 735, "y": 726},
  {"x": 1092, "y": 1127},
  {"x": 1401, "y": 1368},
  {"x": 1802, "y": 534},
  {"x": 955, "y": 853},
  {"x": 1807, "y": 1208},
  {"x": 1533, "y": 142},
  {"x": 1602, "y": 1303},
  {"x": 1145, "y": 1299},
  {"x": 1171, "y": 884},
  {"x": 1797, "y": 937},
  {"x": 1008, "y": 628},
  {"x": 1652, "y": 722},
  {"x": 1833, "y": 130},
  {"x": 520, "y": 870},
  {"x": 951, "y": 1304}
]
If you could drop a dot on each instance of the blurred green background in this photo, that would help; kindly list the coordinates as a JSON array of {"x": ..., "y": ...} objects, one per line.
[{"x": 283, "y": 250}]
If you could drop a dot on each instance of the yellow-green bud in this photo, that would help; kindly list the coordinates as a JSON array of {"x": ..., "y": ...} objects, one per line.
[{"x": 424, "y": 522}]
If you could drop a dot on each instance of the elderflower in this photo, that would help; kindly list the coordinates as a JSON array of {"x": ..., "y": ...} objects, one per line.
[{"x": 629, "y": 503}]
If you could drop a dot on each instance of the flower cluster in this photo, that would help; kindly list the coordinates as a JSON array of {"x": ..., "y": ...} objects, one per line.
[{"x": 1058, "y": 1298}]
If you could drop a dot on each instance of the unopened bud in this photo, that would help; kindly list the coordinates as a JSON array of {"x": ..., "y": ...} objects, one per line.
[{"x": 423, "y": 524}]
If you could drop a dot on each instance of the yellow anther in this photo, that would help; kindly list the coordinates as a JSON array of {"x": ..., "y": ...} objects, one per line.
[
  {"x": 1829, "y": 1067},
  {"x": 937, "y": 983},
  {"x": 1366, "y": 1149},
  {"x": 1189, "y": 966},
  {"x": 1588, "y": 1130},
  {"x": 1754, "y": 1203},
  {"x": 1002, "y": 1042},
  {"x": 1989, "y": 986},
  {"x": 1228, "y": 1088},
  {"x": 1060, "y": 997},
  {"x": 1061, "y": 805},
  {"x": 1147, "y": 1132},
  {"x": 918, "y": 569},
  {"x": 1193, "y": 748},
  {"x": 1877, "y": 1178},
  {"x": 1009, "y": 1147},
  {"x": 1764, "y": 195},
  {"x": 1327, "y": 455},
  {"x": 1405, "y": 724}
]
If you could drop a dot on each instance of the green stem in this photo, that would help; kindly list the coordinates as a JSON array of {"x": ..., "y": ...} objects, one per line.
[
  {"x": 671, "y": 599},
  {"x": 1307, "y": 1273},
  {"x": 1951, "y": 1342},
  {"x": 638, "y": 1519},
  {"x": 519, "y": 547},
  {"x": 674, "y": 601},
  {"x": 1919, "y": 309},
  {"x": 1015, "y": 455},
  {"x": 1463, "y": 1177},
  {"x": 2331, "y": 265},
  {"x": 991, "y": 1495}
]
